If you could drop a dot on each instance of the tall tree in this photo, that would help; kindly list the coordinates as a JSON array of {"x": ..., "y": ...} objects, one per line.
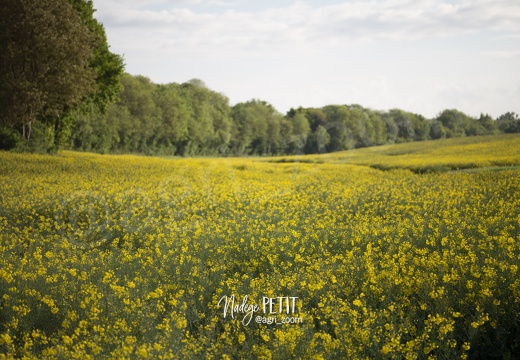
[
  {"x": 109, "y": 67},
  {"x": 44, "y": 63},
  {"x": 175, "y": 117},
  {"x": 301, "y": 131},
  {"x": 251, "y": 127},
  {"x": 138, "y": 133}
]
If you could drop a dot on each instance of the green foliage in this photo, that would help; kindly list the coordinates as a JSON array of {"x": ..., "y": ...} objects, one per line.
[
  {"x": 190, "y": 119},
  {"x": 455, "y": 122},
  {"x": 175, "y": 119},
  {"x": 55, "y": 64},
  {"x": 509, "y": 123},
  {"x": 42, "y": 140},
  {"x": 258, "y": 129},
  {"x": 209, "y": 122},
  {"x": 9, "y": 138},
  {"x": 44, "y": 68},
  {"x": 108, "y": 66},
  {"x": 437, "y": 130}
]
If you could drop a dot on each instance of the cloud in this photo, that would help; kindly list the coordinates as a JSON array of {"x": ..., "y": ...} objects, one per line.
[
  {"x": 218, "y": 28},
  {"x": 284, "y": 50},
  {"x": 387, "y": 19},
  {"x": 504, "y": 55}
]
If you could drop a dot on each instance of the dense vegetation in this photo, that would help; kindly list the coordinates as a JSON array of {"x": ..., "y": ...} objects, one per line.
[
  {"x": 55, "y": 64},
  {"x": 128, "y": 257},
  {"x": 190, "y": 119}
]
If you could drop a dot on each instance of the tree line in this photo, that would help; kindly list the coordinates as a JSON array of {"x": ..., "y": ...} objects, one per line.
[
  {"x": 62, "y": 87},
  {"x": 189, "y": 119}
]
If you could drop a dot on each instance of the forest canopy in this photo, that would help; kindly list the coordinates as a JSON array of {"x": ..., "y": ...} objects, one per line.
[{"x": 189, "y": 119}]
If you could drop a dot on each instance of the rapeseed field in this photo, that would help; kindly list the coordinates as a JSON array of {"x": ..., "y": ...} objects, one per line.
[{"x": 396, "y": 252}]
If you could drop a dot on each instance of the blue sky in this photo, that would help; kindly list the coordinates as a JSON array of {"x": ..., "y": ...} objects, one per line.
[{"x": 422, "y": 56}]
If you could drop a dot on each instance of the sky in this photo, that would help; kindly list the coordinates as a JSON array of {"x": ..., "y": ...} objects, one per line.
[{"x": 422, "y": 56}]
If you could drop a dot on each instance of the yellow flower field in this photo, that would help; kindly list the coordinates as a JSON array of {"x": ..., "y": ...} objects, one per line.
[{"x": 387, "y": 252}]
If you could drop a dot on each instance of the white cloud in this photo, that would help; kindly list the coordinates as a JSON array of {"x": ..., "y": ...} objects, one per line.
[
  {"x": 187, "y": 27},
  {"x": 246, "y": 49},
  {"x": 505, "y": 55},
  {"x": 351, "y": 19}
]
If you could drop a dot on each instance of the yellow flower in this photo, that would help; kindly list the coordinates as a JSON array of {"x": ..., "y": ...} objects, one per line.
[{"x": 67, "y": 340}]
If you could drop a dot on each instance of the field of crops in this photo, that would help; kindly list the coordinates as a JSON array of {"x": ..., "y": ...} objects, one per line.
[{"x": 390, "y": 252}]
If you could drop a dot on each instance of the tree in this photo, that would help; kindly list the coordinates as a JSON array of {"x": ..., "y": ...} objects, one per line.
[
  {"x": 257, "y": 128},
  {"x": 455, "y": 123},
  {"x": 437, "y": 130},
  {"x": 359, "y": 125},
  {"x": 421, "y": 127},
  {"x": 175, "y": 117},
  {"x": 44, "y": 63},
  {"x": 317, "y": 117},
  {"x": 405, "y": 128},
  {"x": 379, "y": 128},
  {"x": 201, "y": 130},
  {"x": 138, "y": 132},
  {"x": 486, "y": 125},
  {"x": 220, "y": 113},
  {"x": 95, "y": 131},
  {"x": 301, "y": 131},
  {"x": 339, "y": 128},
  {"x": 109, "y": 67},
  {"x": 509, "y": 123},
  {"x": 318, "y": 141}
]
